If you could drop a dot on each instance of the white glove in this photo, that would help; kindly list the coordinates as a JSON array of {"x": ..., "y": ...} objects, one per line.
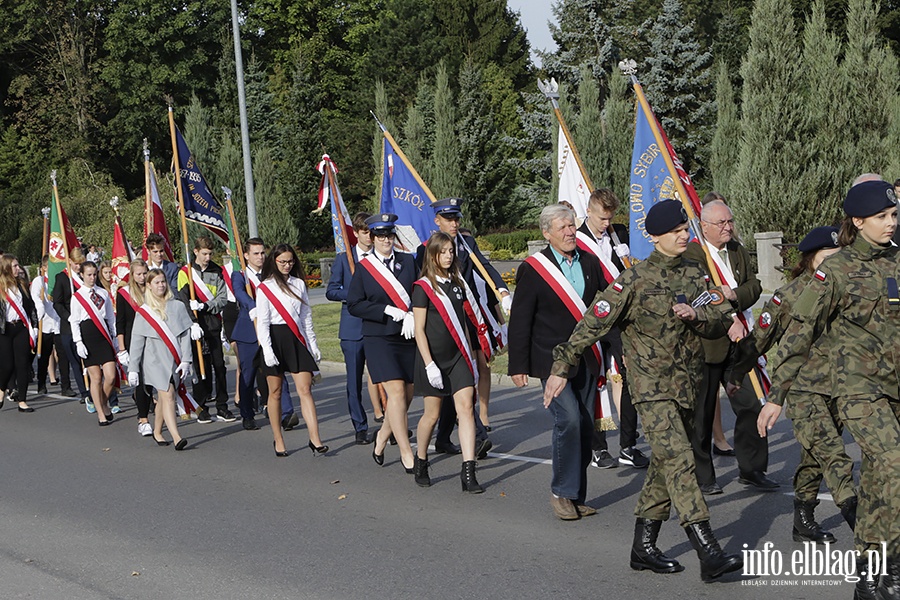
[
  {"x": 409, "y": 326},
  {"x": 434, "y": 376},
  {"x": 81, "y": 349},
  {"x": 252, "y": 314},
  {"x": 196, "y": 305},
  {"x": 395, "y": 313},
  {"x": 133, "y": 379},
  {"x": 196, "y": 332},
  {"x": 506, "y": 303},
  {"x": 622, "y": 250},
  {"x": 123, "y": 358},
  {"x": 316, "y": 353},
  {"x": 269, "y": 357},
  {"x": 184, "y": 370}
]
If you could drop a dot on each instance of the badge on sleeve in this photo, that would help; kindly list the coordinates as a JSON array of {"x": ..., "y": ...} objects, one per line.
[
  {"x": 617, "y": 287},
  {"x": 601, "y": 309},
  {"x": 765, "y": 320},
  {"x": 716, "y": 297},
  {"x": 820, "y": 275},
  {"x": 776, "y": 300}
]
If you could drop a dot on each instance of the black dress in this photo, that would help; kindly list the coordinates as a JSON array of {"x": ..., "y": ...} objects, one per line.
[{"x": 444, "y": 352}]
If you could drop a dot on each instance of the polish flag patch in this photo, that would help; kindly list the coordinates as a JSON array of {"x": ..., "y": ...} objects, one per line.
[
  {"x": 776, "y": 300},
  {"x": 617, "y": 287},
  {"x": 820, "y": 275},
  {"x": 601, "y": 309}
]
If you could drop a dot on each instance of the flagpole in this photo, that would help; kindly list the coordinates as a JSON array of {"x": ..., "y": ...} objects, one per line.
[
  {"x": 237, "y": 239},
  {"x": 45, "y": 238},
  {"x": 148, "y": 200},
  {"x": 403, "y": 157},
  {"x": 184, "y": 233},
  {"x": 340, "y": 211},
  {"x": 550, "y": 89}
]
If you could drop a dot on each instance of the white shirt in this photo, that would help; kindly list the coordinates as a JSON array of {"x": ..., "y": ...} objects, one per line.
[
  {"x": 44, "y": 305},
  {"x": 79, "y": 313},
  {"x": 360, "y": 253},
  {"x": 11, "y": 314},
  {"x": 267, "y": 314}
]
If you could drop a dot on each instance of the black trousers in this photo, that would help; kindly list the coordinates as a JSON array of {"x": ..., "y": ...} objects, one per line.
[
  {"x": 48, "y": 341},
  {"x": 214, "y": 363},
  {"x": 628, "y": 417},
  {"x": 15, "y": 358},
  {"x": 752, "y": 451},
  {"x": 71, "y": 356}
]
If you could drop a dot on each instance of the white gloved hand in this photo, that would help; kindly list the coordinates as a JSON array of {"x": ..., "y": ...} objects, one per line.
[
  {"x": 123, "y": 358},
  {"x": 434, "y": 376},
  {"x": 622, "y": 250},
  {"x": 196, "y": 332},
  {"x": 395, "y": 313},
  {"x": 196, "y": 305},
  {"x": 269, "y": 357},
  {"x": 133, "y": 379},
  {"x": 252, "y": 314},
  {"x": 81, "y": 349},
  {"x": 506, "y": 302},
  {"x": 184, "y": 370},
  {"x": 316, "y": 353},
  {"x": 409, "y": 326}
]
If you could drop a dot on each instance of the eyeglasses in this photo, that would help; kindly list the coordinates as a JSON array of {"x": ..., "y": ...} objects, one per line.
[
  {"x": 721, "y": 224},
  {"x": 285, "y": 262},
  {"x": 383, "y": 234}
]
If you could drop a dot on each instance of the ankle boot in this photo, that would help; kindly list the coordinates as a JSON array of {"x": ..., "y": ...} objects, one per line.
[
  {"x": 848, "y": 511},
  {"x": 889, "y": 586},
  {"x": 420, "y": 471},
  {"x": 467, "y": 477},
  {"x": 645, "y": 554},
  {"x": 713, "y": 561},
  {"x": 865, "y": 589},
  {"x": 806, "y": 529}
]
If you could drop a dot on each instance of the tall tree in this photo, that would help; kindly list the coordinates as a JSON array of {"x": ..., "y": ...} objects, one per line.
[
  {"x": 418, "y": 132},
  {"x": 618, "y": 119},
  {"x": 275, "y": 221},
  {"x": 531, "y": 154},
  {"x": 200, "y": 136},
  {"x": 726, "y": 140},
  {"x": 446, "y": 159},
  {"x": 588, "y": 130}
]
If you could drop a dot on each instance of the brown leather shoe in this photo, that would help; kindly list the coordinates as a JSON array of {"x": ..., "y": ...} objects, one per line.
[
  {"x": 563, "y": 508},
  {"x": 585, "y": 511}
]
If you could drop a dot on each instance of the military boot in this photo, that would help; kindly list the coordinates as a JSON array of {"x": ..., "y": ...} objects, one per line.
[
  {"x": 848, "y": 511},
  {"x": 806, "y": 529},
  {"x": 645, "y": 554},
  {"x": 865, "y": 589},
  {"x": 889, "y": 586},
  {"x": 713, "y": 561}
]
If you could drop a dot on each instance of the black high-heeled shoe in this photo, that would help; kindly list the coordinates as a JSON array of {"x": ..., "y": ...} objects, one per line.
[
  {"x": 160, "y": 443},
  {"x": 181, "y": 445},
  {"x": 378, "y": 458},
  {"x": 409, "y": 470},
  {"x": 277, "y": 453},
  {"x": 317, "y": 450}
]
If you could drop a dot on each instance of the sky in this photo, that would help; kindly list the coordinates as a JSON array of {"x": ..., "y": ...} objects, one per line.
[{"x": 535, "y": 14}]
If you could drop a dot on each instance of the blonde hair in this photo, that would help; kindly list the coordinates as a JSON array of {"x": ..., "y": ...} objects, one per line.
[
  {"x": 137, "y": 292},
  {"x": 8, "y": 281},
  {"x": 157, "y": 304}
]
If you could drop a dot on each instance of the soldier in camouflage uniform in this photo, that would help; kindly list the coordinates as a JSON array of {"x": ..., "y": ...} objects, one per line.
[
  {"x": 666, "y": 362},
  {"x": 811, "y": 408},
  {"x": 854, "y": 300}
]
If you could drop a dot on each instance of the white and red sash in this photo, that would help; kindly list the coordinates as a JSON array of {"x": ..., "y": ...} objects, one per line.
[
  {"x": 20, "y": 310},
  {"x": 185, "y": 402},
  {"x": 498, "y": 331},
  {"x": 288, "y": 313},
  {"x": 75, "y": 278},
  {"x": 253, "y": 279},
  {"x": 445, "y": 309},
  {"x": 387, "y": 280},
  {"x": 590, "y": 245},
  {"x": 126, "y": 293},
  {"x": 204, "y": 294},
  {"x": 228, "y": 269},
  {"x": 100, "y": 323}
]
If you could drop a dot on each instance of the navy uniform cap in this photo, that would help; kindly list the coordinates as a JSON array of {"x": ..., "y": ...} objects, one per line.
[
  {"x": 869, "y": 198},
  {"x": 448, "y": 207},
  {"x": 665, "y": 216},
  {"x": 382, "y": 222},
  {"x": 818, "y": 238}
]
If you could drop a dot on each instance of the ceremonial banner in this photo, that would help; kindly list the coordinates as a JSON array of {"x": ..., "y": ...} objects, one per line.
[
  {"x": 121, "y": 253},
  {"x": 200, "y": 205},
  {"x": 572, "y": 186},
  {"x": 154, "y": 218},
  {"x": 405, "y": 194},
  {"x": 341, "y": 225},
  {"x": 62, "y": 240},
  {"x": 233, "y": 251}
]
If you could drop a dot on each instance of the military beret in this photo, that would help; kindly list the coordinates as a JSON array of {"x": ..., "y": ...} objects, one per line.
[
  {"x": 869, "y": 198},
  {"x": 382, "y": 222},
  {"x": 448, "y": 207},
  {"x": 818, "y": 238},
  {"x": 665, "y": 216}
]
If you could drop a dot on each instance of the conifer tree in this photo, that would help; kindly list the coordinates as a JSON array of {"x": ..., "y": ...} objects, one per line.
[
  {"x": 418, "y": 132},
  {"x": 382, "y": 111},
  {"x": 532, "y": 155},
  {"x": 445, "y": 161},
  {"x": 588, "y": 132},
  {"x": 618, "y": 119},
  {"x": 275, "y": 221},
  {"x": 726, "y": 139},
  {"x": 199, "y": 135}
]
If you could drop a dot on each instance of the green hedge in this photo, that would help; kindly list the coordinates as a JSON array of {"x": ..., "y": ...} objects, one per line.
[{"x": 514, "y": 242}]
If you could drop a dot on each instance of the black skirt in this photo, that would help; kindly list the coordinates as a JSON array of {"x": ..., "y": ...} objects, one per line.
[
  {"x": 456, "y": 376},
  {"x": 292, "y": 355},
  {"x": 99, "y": 350},
  {"x": 389, "y": 358}
]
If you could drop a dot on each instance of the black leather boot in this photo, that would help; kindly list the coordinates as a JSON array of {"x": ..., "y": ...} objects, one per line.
[
  {"x": 713, "y": 561},
  {"x": 467, "y": 477},
  {"x": 865, "y": 589},
  {"x": 420, "y": 472},
  {"x": 645, "y": 554},
  {"x": 889, "y": 586},
  {"x": 806, "y": 529},
  {"x": 848, "y": 511}
]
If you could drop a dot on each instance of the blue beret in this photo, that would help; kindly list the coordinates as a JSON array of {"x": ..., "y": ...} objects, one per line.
[
  {"x": 818, "y": 238},
  {"x": 448, "y": 207},
  {"x": 382, "y": 222},
  {"x": 869, "y": 198},
  {"x": 664, "y": 217}
]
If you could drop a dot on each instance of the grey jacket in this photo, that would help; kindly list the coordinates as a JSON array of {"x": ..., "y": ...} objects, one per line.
[{"x": 148, "y": 353}]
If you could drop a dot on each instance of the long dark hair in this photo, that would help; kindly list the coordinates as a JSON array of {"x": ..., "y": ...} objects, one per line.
[
  {"x": 847, "y": 234},
  {"x": 804, "y": 265},
  {"x": 270, "y": 269},
  {"x": 437, "y": 242}
]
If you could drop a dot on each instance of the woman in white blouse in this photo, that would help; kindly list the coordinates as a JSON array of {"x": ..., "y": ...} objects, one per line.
[{"x": 287, "y": 341}]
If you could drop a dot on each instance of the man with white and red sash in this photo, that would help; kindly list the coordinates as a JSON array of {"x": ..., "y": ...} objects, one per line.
[
  {"x": 741, "y": 289},
  {"x": 593, "y": 237},
  {"x": 62, "y": 303},
  {"x": 49, "y": 325},
  {"x": 553, "y": 289},
  {"x": 210, "y": 299}
]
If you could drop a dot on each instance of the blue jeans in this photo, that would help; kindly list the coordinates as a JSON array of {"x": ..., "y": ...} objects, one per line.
[{"x": 573, "y": 426}]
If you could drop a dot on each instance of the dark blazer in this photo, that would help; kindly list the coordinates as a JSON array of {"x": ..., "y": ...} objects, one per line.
[
  {"x": 539, "y": 320},
  {"x": 62, "y": 301},
  {"x": 622, "y": 232},
  {"x": 27, "y": 304},
  {"x": 367, "y": 300},
  {"x": 351, "y": 328},
  {"x": 243, "y": 331},
  {"x": 124, "y": 318}
]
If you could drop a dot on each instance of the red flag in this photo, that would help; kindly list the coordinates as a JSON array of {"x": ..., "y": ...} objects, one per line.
[
  {"x": 154, "y": 218},
  {"x": 342, "y": 226},
  {"x": 121, "y": 253},
  {"x": 682, "y": 174}
]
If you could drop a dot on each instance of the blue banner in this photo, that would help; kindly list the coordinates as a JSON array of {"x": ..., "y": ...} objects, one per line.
[
  {"x": 200, "y": 205},
  {"x": 650, "y": 183},
  {"x": 405, "y": 194}
]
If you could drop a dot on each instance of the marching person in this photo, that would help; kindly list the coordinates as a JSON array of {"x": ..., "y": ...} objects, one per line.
[
  {"x": 161, "y": 352},
  {"x": 94, "y": 334},
  {"x": 18, "y": 331},
  {"x": 651, "y": 303},
  {"x": 130, "y": 298},
  {"x": 554, "y": 288},
  {"x": 49, "y": 325},
  {"x": 287, "y": 340},
  {"x": 156, "y": 259},
  {"x": 445, "y": 362},
  {"x": 380, "y": 295},
  {"x": 62, "y": 302},
  {"x": 105, "y": 280},
  {"x": 853, "y": 300}
]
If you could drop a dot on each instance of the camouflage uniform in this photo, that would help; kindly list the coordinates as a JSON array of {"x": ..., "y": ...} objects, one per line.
[
  {"x": 665, "y": 360},
  {"x": 848, "y": 301}
]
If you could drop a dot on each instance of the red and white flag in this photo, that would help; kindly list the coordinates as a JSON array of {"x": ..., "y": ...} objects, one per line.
[
  {"x": 341, "y": 225},
  {"x": 121, "y": 253},
  {"x": 154, "y": 218}
]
